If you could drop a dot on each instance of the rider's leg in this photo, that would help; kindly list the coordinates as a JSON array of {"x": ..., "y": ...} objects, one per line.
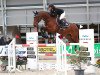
[
  {"x": 63, "y": 20},
  {"x": 62, "y": 16}
]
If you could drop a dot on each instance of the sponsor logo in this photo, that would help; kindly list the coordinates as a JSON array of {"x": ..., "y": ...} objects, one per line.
[{"x": 85, "y": 36}]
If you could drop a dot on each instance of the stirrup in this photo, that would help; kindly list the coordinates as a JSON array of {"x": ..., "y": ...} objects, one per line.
[{"x": 65, "y": 25}]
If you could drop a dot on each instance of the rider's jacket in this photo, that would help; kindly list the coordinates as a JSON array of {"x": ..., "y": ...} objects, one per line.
[{"x": 56, "y": 12}]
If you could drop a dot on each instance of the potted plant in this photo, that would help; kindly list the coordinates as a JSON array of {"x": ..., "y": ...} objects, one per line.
[
  {"x": 78, "y": 59},
  {"x": 98, "y": 63}
]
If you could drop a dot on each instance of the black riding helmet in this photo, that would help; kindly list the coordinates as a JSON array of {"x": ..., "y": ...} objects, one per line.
[{"x": 51, "y": 5}]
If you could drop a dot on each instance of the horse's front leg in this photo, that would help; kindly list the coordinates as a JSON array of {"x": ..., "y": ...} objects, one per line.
[
  {"x": 43, "y": 29},
  {"x": 35, "y": 29},
  {"x": 44, "y": 32}
]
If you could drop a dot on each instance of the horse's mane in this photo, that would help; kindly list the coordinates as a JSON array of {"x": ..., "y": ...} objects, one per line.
[
  {"x": 44, "y": 12},
  {"x": 47, "y": 14}
]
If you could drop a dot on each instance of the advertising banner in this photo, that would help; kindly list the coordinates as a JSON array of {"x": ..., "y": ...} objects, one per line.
[
  {"x": 31, "y": 38},
  {"x": 47, "y": 49},
  {"x": 47, "y": 53},
  {"x": 21, "y": 51},
  {"x": 86, "y": 39},
  {"x": 71, "y": 49},
  {"x": 97, "y": 50},
  {"x": 4, "y": 50}
]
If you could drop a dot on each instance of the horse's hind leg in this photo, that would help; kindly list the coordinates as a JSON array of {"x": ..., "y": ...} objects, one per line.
[
  {"x": 72, "y": 38},
  {"x": 69, "y": 38},
  {"x": 75, "y": 38}
]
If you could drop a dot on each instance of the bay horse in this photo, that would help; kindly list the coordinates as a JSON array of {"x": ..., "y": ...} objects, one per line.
[{"x": 51, "y": 26}]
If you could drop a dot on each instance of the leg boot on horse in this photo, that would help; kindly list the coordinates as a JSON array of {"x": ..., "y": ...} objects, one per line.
[{"x": 43, "y": 33}]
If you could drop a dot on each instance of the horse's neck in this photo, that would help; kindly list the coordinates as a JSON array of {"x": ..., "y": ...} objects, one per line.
[
  {"x": 46, "y": 16},
  {"x": 49, "y": 18}
]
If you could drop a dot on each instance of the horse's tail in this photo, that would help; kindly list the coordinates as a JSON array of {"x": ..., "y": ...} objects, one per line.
[{"x": 79, "y": 26}]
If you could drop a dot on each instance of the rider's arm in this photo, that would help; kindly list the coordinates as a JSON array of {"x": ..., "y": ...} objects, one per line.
[{"x": 52, "y": 12}]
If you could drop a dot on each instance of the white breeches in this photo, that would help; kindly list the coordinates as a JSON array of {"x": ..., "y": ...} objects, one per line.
[{"x": 62, "y": 15}]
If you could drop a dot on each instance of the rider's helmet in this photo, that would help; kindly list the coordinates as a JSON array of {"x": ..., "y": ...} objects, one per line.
[{"x": 51, "y": 6}]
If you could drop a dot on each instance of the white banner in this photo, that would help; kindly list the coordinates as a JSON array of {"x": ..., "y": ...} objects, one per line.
[
  {"x": 21, "y": 51},
  {"x": 4, "y": 50},
  {"x": 86, "y": 38},
  {"x": 32, "y": 37}
]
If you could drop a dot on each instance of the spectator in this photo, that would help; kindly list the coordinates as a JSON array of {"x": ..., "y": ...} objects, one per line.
[
  {"x": 9, "y": 40},
  {"x": 2, "y": 41}
]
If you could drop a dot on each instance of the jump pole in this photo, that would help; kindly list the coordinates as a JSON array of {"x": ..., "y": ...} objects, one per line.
[{"x": 61, "y": 56}]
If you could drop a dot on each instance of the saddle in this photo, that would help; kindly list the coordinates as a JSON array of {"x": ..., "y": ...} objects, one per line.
[{"x": 62, "y": 23}]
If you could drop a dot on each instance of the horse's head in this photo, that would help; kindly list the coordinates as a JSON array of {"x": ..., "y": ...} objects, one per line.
[
  {"x": 42, "y": 15},
  {"x": 36, "y": 18}
]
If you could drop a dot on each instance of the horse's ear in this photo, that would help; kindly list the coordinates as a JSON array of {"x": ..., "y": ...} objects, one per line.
[{"x": 35, "y": 13}]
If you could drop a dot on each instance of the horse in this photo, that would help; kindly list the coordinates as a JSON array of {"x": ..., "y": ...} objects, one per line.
[{"x": 51, "y": 26}]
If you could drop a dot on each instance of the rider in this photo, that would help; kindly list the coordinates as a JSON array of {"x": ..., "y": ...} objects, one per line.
[{"x": 60, "y": 13}]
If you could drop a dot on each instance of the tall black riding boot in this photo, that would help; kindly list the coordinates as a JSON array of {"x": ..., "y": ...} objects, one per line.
[{"x": 64, "y": 23}]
